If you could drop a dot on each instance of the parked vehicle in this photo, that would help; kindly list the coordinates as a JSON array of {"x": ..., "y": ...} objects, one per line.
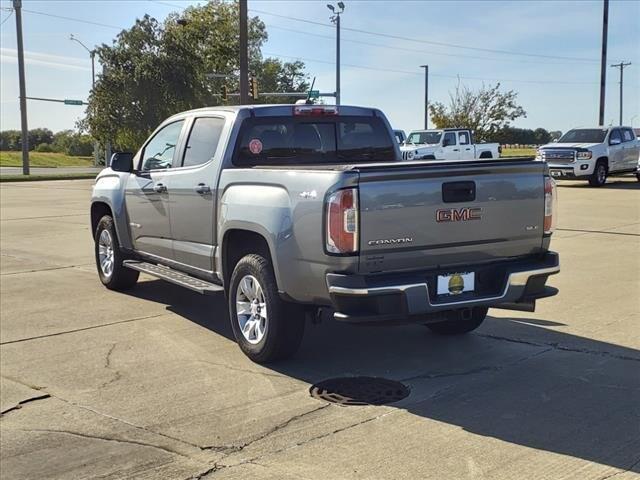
[
  {"x": 592, "y": 154},
  {"x": 401, "y": 137},
  {"x": 446, "y": 144},
  {"x": 288, "y": 209}
]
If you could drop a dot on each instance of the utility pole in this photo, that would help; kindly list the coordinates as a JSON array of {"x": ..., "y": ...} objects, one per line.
[
  {"x": 426, "y": 96},
  {"x": 335, "y": 18},
  {"x": 244, "y": 54},
  {"x": 603, "y": 60},
  {"x": 17, "y": 6},
  {"x": 621, "y": 66}
]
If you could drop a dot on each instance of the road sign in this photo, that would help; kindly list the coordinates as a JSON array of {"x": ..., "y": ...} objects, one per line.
[
  {"x": 72, "y": 102},
  {"x": 314, "y": 93}
]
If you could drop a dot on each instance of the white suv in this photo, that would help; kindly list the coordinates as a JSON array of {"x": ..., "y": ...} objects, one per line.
[{"x": 592, "y": 154}]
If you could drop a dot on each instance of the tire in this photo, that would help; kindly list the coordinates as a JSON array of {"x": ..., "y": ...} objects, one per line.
[
  {"x": 457, "y": 325},
  {"x": 112, "y": 273},
  {"x": 269, "y": 329},
  {"x": 599, "y": 175},
  {"x": 638, "y": 176}
]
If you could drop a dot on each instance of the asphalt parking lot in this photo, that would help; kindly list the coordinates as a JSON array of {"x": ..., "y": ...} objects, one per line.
[{"x": 150, "y": 384}]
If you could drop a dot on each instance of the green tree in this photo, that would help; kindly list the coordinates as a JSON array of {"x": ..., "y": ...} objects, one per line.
[
  {"x": 156, "y": 69},
  {"x": 485, "y": 111}
]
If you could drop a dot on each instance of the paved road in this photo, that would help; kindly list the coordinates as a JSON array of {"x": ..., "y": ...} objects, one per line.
[
  {"x": 149, "y": 384},
  {"x": 49, "y": 171}
]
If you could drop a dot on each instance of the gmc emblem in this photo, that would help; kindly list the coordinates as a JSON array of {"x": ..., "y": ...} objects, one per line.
[{"x": 458, "y": 214}]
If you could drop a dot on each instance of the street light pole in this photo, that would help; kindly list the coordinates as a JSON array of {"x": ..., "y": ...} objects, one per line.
[
  {"x": 335, "y": 18},
  {"x": 92, "y": 55},
  {"x": 621, "y": 66},
  {"x": 17, "y": 6},
  {"x": 426, "y": 96}
]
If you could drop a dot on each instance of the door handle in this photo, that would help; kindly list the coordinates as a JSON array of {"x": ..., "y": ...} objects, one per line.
[
  {"x": 203, "y": 189},
  {"x": 467, "y": 149},
  {"x": 456, "y": 149},
  {"x": 159, "y": 188}
]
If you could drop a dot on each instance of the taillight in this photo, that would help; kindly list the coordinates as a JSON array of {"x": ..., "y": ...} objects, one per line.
[
  {"x": 342, "y": 221},
  {"x": 550, "y": 203}
]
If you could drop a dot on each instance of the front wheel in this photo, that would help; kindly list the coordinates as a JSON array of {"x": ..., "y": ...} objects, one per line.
[
  {"x": 459, "y": 323},
  {"x": 265, "y": 327},
  {"x": 112, "y": 273},
  {"x": 599, "y": 175}
]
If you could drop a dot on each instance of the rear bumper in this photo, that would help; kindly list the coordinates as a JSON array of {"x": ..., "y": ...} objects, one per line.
[{"x": 371, "y": 298}]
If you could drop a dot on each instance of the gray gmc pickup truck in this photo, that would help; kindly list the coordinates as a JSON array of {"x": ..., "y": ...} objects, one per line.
[{"x": 292, "y": 209}]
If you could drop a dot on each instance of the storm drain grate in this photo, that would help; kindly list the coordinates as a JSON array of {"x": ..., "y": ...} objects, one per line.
[{"x": 359, "y": 391}]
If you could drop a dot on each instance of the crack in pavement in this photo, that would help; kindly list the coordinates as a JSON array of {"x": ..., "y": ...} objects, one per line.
[
  {"x": 107, "y": 364},
  {"x": 25, "y": 401},
  {"x": 42, "y": 269},
  {"x": 200, "y": 475},
  {"x": 557, "y": 346},
  {"x": 38, "y": 218},
  {"x": 55, "y": 334},
  {"x": 109, "y": 439},
  {"x": 244, "y": 370},
  {"x": 238, "y": 448},
  {"x": 625, "y": 470},
  {"x": 473, "y": 371}
]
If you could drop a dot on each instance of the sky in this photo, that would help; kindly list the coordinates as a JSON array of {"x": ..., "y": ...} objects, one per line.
[{"x": 547, "y": 51}]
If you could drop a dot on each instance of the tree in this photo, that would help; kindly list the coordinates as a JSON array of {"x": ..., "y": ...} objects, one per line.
[
  {"x": 154, "y": 70},
  {"x": 486, "y": 111}
]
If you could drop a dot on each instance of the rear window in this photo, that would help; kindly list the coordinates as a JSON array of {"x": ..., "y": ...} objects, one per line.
[{"x": 292, "y": 141}]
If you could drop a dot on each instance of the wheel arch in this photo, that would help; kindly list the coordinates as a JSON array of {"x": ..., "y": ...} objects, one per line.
[
  {"x": 99, "y": 210},
  {"x": 604, "y": 159},
  {"x": 238, "y": 242},
  {"x": 486, "y": 154}
]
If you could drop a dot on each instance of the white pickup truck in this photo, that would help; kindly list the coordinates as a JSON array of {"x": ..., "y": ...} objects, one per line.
[
  {"x": 446, "y": 144},
  {"x": 592, "y": 154}
]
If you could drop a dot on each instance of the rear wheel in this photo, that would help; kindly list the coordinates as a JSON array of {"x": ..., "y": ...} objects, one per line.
[
  {"x": 599, "y": 175},
  {"x": 265, "y": 327},
  {"x": 458, "y": 323},
  {"x": 109, "y": 258}
]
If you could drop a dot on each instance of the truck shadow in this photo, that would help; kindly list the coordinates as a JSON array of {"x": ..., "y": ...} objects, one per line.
[
  {"x": 522, "y": 381},
  {"x": 623, "y": 183}
]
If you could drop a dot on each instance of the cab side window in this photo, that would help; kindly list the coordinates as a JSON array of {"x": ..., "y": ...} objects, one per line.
[
  {"x": 203, "y": 141},
  {"x": 615, "y": 135},
  {"x": 158, "y": 153},
  {"x": 449, "y": 139},
  {"x": 627, "y": 135},
  {"x": 464, "y": 138}
]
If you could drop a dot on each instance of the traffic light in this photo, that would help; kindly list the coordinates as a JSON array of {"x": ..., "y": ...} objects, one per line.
[
  {"x": 225, "y": 93},
  {"x": 253, "y": 87}
]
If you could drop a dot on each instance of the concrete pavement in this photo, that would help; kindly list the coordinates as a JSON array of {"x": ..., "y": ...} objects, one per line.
[{"x": 150, "y": 384}]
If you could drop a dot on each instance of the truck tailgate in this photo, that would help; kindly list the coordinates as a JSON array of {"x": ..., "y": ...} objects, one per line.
[{"x": 421, "y": 216}]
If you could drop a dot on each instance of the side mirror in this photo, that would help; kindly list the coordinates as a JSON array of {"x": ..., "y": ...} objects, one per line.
[
  {"x": 122, "y": 162},
  {"x": 446, "y": 143},
  {"x": 615, "y": 141}
]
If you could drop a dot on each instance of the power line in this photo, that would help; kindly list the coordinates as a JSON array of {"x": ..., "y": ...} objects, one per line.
[
  {"x": 416, "y": 40},
  {"x": 72, "y": 19},
  {"x": 407, "y": 72},
  {"x": 8, "y": 17},
  {"x": 416, "y": 50}
]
